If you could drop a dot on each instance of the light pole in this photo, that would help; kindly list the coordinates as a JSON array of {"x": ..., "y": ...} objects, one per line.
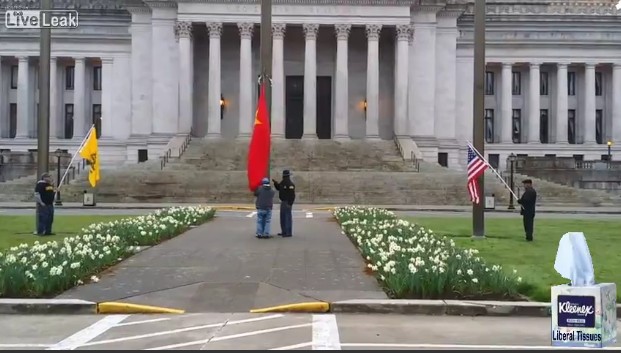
[
  {"x": 609, "y": 143},
  {"x": 43, "y": 129},
  {"x": 58, "y": 201},
  {"x": 511, "y": 181},
  {"x": 478, "y": 210}
]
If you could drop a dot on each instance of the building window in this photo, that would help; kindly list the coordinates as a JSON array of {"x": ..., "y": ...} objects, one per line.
[
  {"x": 516, "y": 83},
  {"x": 543, "y": 126},
  {"x": 12, "y": 120},
  {"x": 571, "y": 126},
  {"x": 571, "y": 83},
  {"x": 69, "y": 77},
  {"x": 543, "y": 83},
  {"x": 97, "y": 78},
  {"x": 599, "y": 89},
  {"x": 68, "y": 121},
  {"x": 489, "y": 83},
  {"x": 578, "y": 157},
  {"x": 97, "y": 118},
  {"x": 599, "y": 126},
  {"x": 14, "y": 71},
  {"x": 516, "y": 122},
  {"x": 489, "y": 125}
]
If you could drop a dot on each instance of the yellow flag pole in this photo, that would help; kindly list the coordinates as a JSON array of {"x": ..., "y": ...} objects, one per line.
[{"x": 60, "y": 183}]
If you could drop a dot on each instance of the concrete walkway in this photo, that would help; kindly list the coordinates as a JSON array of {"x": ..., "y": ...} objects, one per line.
[
  {"x": 427, "y": 208},
  {"x": 222, "y": 267}
]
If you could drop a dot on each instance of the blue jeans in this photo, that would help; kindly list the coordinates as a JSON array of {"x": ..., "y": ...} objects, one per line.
[
  {"x": 45, "y": 218},
  {"x": 286, "y": 218},
  {"x": 264, "y": 220}
]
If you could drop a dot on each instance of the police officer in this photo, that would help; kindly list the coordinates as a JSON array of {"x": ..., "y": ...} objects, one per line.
[
  {"x": 528, "y": 201},
  {"x": 286, "y": 193},
  {"x": 44, "y": 196}
]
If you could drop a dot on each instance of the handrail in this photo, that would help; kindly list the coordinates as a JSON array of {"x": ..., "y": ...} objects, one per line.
[
  {"x": 164, "y": 159},
  {"x": 415, "y": 161}
]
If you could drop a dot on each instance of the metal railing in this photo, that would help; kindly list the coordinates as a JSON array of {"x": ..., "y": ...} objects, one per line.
[
  {"x": 184, "y": 145},
  {"x": 415, "y": 161},
  {"x": 75, "y": 170}
]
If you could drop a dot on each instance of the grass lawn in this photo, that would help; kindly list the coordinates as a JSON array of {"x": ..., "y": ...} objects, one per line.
[
  {"x": 15, "y": 230},
  {"x": 505, "y": 245}
]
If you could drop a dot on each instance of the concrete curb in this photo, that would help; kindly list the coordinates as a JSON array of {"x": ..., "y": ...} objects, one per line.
[
  {"x": 460, "y": 210},
  {"x": 445, "y": 307},
  {"x": 47, "y": 306},
  {"x": 128, "y": 308},
  {"x": 309, "y": 307}
]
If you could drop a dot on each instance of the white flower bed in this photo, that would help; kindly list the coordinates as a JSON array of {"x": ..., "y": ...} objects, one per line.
[
  {"x": 47, "y": 268},
  {"x": 412, "y": 262}
]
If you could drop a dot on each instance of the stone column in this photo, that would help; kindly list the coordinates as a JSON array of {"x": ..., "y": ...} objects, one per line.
[
  {"x": 341, "y": 98},
  {"x": 246, "y": 109},
  {"x": 278, "y": 80},
  {"x": 310, "y": 81},
  {"x": 79, "y": 100},
  {"x": 533, "y": 104},
  {"x": 506, "y": 104},
  {"x": 121, "y": 97},
  {"x": 561, "y": 103},
  {"x": 23, "y": 104},
  {"x": 616, "y": 104},
  {"x": 423, "y": 63},
  {"x": 372, "y": 114},
  {"x": 401, "y": 78},
  {"x": 164, "y": 69},
  {"x": 54, "y": 123},
  {"x": 186, "y": 77},
  {"x": 411, "y": 128},
  {"x": 589, "y": 103},
  {"x": 141, "y": 80},
  {"x": 445, "y": 74},
  {"x": 213, "y": 99},
  {"x": 108, "y": 119}
]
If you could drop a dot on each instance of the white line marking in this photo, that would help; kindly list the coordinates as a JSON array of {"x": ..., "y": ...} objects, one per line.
[
  {"x": 186, "y": 329},
  {"x": 224, "y": 338},
  {"x": 309, "y": 215},
  {"x": 325, "y": 333},
  {"x": 82, "y": 337},
  {"x": 293, "y": 346},
  {"x": 252, "y": 214},
  {"x": 24, "y": 345},
  {"x": 142, "y": 322},
  {"x": 464, "y": 346}
]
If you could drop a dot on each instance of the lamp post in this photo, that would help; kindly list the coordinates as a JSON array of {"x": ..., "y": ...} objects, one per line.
[
  {"x": 609, "y": 143},
  {"x": 58, "y": 201},
  {"x": 511, "y": 181},
  {"x": 478, "y": 136}
]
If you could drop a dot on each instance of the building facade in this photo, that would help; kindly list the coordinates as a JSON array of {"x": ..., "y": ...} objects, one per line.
[{"x": 147, "y": 72}]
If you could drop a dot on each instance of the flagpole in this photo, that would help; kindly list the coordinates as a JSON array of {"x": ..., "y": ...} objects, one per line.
[
  {"x": 493, "y": 170},
  {"x": 266, "y": 63},
  {"x": 73, "y": 159}
]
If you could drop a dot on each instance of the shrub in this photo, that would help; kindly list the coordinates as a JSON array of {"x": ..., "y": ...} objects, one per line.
[
  {"x": 411, "y": 262},
  {"x": 44, "y": 269}
]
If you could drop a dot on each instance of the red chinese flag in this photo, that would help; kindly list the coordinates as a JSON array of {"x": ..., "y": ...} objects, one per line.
[{"x": 259, "y": 149}]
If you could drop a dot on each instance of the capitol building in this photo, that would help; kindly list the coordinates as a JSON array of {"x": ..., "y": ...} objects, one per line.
[{"x": 150, "y": 72}]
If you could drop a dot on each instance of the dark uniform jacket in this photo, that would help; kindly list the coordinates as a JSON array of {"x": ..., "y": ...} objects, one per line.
[
  {"x": 286, "y": 190},
  {"x": 528, "y": 201}
]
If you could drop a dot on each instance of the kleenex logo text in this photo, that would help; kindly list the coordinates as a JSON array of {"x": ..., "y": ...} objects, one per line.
[
  {"x": 576, "y": 311},
  {"x": 570, "y": 308}
]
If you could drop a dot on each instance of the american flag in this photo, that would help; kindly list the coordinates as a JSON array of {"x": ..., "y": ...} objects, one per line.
[{"x": 476, "y": 168}]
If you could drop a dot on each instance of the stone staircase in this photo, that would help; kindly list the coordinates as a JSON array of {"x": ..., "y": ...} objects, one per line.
[{"x": 325, "y": 172}]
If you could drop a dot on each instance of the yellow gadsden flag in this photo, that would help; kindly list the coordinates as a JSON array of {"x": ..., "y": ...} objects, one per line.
[{"x": 90, "y": 152}]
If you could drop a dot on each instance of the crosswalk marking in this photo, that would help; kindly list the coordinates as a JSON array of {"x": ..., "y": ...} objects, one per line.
[
  {"x": 309, "y": 215},
  {"x": 252, "y": 214}
]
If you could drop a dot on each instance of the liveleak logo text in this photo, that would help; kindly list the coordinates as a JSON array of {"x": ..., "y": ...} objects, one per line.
[{"x": 41, "y": 19}]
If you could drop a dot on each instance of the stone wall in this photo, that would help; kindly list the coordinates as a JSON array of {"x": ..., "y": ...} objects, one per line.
[
  {"x": 599, "y": 175},
  {"x": 15, "y": 165}
]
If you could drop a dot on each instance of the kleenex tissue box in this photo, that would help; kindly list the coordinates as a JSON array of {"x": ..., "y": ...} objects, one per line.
[{"x": 584, "y": 316}]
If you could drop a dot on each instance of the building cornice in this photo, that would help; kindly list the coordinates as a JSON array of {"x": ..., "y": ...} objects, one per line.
[
  {"x": 309, "y": 2},
  {"x": 567, "y": 8}
]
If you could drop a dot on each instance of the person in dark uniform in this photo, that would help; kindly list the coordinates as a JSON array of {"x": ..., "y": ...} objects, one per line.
[
  {"x": 286, "y": 193},
  {"x": 528, "y": 201},
  {"x": 44, "y": 196}
]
